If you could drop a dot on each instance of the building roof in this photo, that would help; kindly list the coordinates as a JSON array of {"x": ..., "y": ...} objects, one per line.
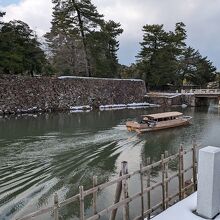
[{"x": 163, "y": 115}]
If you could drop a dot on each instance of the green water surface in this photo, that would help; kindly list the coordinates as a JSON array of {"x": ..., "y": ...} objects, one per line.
[{"x": 58, "y": 152}]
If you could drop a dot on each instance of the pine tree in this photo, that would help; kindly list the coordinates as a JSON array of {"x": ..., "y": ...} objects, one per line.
[
  {"x": 179, "y": 37},
  {"x": 20, "y": 52},
  {"x": 104, "y": 47},
  {"x": 157, "y": 57},
  {"x": 204, "y": 71},
  {"x": 164, "y": 58},
  {"x": 1, "y": 15},
  {"x": 196, "y": 69},
  {"x": 72, "y": 21},
  {"x": 187, "y": 64},
  {"x": 112, "y": 30},
  {"x": 82, "y": 42}
]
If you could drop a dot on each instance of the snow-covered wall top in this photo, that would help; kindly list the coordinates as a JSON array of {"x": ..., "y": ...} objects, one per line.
[
  {"x": 91, "y": 78},
  {"x": 27, "y": 94}
]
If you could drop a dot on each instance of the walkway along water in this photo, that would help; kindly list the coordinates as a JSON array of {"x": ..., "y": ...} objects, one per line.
[
  {"x": 185, "y": 187},
  {"x": 205, "y": 203}
]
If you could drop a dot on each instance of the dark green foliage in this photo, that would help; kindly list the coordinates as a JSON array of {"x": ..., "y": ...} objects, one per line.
[
  {"x": 2, "y": 14},
  {"x": 103, "y": 47},
  {"x": 82, "y": 40},
  {"x": 164, "y": 59},
  {"x": 20, "y": 52},
  {"x": 132, "y": 72},
  {"x": 204, "y": 72},
  {"x": 72, "y": 20},
  {"x": 157, "y": 57},
  {"x": 195, "y": 69}
]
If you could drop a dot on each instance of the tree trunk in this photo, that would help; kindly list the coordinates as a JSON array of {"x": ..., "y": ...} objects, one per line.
[{"x": 88, "y": 71}]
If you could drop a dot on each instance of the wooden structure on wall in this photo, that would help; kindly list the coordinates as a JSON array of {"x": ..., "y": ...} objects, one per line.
[{"x": 122, "y": 197}]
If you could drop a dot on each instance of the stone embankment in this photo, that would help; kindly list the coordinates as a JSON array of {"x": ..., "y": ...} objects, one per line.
[
  {"x": 19, "y": 94},
  {"x": 170, "y": 99}
]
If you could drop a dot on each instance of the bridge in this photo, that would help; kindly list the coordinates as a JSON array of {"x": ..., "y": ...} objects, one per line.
[
  {"x": 202, "y": 95},
  {"x": 191, "y": 97},
  {"x": 203, "y": 92}
]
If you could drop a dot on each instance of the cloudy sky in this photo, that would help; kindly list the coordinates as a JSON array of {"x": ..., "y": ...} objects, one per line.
[{"x": 200, "y": 16}]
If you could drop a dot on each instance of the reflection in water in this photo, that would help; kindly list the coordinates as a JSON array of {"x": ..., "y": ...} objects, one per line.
[{"x": 59, "y": 152}]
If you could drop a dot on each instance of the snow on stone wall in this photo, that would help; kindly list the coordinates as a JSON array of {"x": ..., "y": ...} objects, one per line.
[{"x": 26, "y": 94}]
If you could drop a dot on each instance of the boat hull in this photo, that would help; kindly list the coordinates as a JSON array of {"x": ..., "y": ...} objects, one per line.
[{"x": 140, "y": 128}]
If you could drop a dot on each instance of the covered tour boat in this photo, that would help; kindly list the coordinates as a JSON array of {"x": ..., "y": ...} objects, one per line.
[{"x": 158, "y": 121}]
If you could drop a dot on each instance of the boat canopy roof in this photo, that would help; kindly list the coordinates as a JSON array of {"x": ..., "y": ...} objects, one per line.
[{"x": 163, "y": 115}]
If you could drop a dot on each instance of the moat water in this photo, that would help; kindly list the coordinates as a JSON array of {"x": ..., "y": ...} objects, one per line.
[{"x": 58, "y": 152}]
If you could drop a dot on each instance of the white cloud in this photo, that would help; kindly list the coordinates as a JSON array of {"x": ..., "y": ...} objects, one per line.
[
  {"x": 36, "y": 13},
  {"x": 200, "y": 16}
]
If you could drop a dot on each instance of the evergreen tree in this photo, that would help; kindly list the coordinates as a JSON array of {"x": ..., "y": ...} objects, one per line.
[
  {"x": 72, "y": 21},
  {"x": 178, "y": 38},
  {"x": 20, "y": 52},
  {"x": 196, "y": 69},
  {"x": 104, "y": 47},
  {"x": 82, "y": 41},
  {"x": 204, "y": 72},
  {"x": 112, "y": 30},
  {"x": 130, "y": 72},
  {"x": 187, "y": 64},
  {"x": 164, "y": 58},
  {"x": 157, "y": 58},
  {"x": 1, "y": 15}
]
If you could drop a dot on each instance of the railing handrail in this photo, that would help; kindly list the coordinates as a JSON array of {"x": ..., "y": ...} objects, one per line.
[
  {"x": 202, "y": 91},
  {"x": 102, "y": 186}
]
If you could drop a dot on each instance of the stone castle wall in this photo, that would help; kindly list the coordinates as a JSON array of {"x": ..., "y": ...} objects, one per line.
[{"x": 27, "y": 94}]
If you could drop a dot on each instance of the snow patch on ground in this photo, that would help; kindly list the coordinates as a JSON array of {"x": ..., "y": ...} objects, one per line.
[{"x": 182, "y": 210}]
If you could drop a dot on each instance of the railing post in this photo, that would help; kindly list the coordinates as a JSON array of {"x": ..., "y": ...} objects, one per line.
[
  {"x": 142, "y": 191},
  {"x": 56, "y": 207},
  {"x": 95, "y": 196},
  {"x": 148, "y": 185},
  {"x": 117, "y": 196},
  {"x": 163, "y": 181},
  {"x": 164, "y": 163},
  {"x": 166, "y": 185},
  {"x": 81, "y": 200},
  {"x": 208, "y": 195},
  {"x": 125, "y": 190},
  {"x": 180, "y": 175},
  {"x": 194, "y": 166}
]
